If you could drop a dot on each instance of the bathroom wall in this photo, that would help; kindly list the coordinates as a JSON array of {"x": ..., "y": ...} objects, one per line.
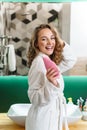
[
  {"x": 80, "y": 68},
  {"x": 78, "y": 36},
  {"x": 20, "y": 19}
]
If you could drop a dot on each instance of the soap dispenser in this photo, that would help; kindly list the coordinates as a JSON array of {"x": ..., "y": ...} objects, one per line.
[{"x": 70, "y": 100}]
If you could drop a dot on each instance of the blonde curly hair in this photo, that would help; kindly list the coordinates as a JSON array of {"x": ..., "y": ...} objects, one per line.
[{"x": 33, "y": 50}]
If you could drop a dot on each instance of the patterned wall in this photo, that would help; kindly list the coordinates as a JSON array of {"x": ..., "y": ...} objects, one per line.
[{"x": 21, "y": 19}]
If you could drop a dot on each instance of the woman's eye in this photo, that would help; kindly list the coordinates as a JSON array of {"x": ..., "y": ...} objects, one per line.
[
  {"x": 53, "y": 38},
  {"x": 43, "y": 39}
]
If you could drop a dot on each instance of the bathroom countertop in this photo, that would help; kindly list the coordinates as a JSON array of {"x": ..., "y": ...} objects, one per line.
[
  {"x": 7, "y": 124},
  {"x": 80, "y": 125}
]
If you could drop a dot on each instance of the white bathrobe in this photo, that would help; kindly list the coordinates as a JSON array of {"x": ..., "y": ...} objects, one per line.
[{"x": 46, "y": 112}]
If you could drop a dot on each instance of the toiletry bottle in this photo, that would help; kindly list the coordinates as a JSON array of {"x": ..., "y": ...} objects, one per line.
[
  {"x": 70, "y": 100},
  {"x": 85, "y": 106},
  {"x": 81, "y": 103},
  {"x": 84, "y": 117}
]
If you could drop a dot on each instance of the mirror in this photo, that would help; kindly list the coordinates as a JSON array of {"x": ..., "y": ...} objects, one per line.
[{"x": 18, "y": 19}]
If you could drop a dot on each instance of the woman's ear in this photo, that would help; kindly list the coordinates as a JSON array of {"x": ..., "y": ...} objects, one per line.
[{"x": 36, "y": 45}]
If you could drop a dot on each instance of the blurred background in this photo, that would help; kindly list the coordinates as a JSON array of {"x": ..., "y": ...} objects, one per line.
[{"x": 18, "y": 20}]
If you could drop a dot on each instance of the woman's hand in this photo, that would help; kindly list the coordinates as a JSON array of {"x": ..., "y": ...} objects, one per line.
[{"x": 51, "y": 76}]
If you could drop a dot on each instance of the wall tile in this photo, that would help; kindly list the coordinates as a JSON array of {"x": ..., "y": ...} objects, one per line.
[{"x": 22, "y": 19}]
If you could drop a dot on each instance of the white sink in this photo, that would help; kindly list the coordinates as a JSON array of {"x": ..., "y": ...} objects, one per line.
[
  {"x": 18, "y": 113},
  {"x": 73, "y": 113}
]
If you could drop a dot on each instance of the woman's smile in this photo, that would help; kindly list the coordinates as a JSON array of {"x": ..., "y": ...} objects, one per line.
[{"x": 49, "y": 48}]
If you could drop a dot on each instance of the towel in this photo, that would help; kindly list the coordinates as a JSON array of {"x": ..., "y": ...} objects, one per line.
[{"x": 11, "y": 58}]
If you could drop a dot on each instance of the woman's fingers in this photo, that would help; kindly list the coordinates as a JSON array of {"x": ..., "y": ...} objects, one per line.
[
  {"x": 52, "y": 76},
  {"x": 52, "y": 72}
]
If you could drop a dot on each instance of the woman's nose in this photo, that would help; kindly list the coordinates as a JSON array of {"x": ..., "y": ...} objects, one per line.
[{"x": 49, "y": 41}]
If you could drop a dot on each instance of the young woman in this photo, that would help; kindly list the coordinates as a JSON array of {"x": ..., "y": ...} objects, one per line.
[{"x": 45, "y": 88}]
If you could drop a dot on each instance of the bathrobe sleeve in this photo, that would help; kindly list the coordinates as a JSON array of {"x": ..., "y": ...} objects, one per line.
[
  {"x": 41, "y": 91},
  {"x": 69, "y": 59}
]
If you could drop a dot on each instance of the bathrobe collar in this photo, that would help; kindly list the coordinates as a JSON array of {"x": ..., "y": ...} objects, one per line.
[{"x": 42, "y": 54}]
